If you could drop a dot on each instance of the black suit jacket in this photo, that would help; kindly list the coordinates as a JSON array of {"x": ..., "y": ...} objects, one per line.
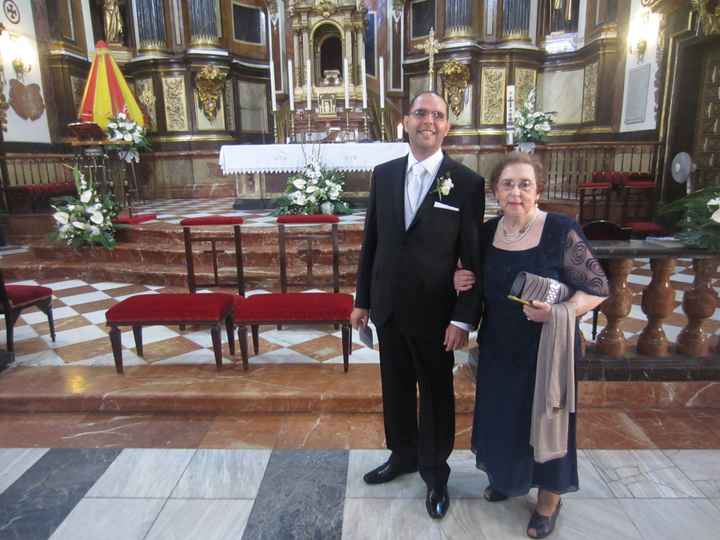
[{"x": 408, "y": 274}]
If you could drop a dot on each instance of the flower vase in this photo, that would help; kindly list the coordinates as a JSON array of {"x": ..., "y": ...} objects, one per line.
[
  {"x": 527, "y": 147},
  {"x": 327, "y": 208}
]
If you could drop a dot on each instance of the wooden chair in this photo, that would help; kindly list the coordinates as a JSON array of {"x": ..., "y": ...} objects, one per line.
[
  {"x": 202, "y": 309},
  {"x": 604, "y": 230},
  {"x": 15, "y": 298},
  {"x": 286, "y": 308}
]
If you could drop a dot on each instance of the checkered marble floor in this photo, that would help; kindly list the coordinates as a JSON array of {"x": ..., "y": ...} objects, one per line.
[{"x": 79, "y": 310}]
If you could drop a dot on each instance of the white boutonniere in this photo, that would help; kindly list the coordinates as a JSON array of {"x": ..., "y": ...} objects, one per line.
[{"x": 444, "y": 185}]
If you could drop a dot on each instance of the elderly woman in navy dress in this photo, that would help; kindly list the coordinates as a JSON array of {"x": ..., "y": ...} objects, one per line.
[{"x": 546, "y": 244}]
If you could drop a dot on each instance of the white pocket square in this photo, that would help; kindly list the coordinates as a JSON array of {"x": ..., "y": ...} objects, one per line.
[{"x": 445, "y": 206}]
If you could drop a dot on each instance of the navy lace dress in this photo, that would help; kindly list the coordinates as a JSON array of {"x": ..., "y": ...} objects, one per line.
[{"x": 508, "y": 345}]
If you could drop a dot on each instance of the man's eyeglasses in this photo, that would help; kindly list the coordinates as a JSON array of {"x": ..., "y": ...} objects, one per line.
[
  {"x": 421, "y": 114},
  {"x": 522, "y": 185}
]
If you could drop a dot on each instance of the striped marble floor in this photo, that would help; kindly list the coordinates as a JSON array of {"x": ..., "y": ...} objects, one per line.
[{"x": 278, "y": 494}]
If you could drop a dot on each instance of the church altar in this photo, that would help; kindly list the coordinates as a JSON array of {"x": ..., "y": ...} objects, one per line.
[{"x": 287, "y": 158}]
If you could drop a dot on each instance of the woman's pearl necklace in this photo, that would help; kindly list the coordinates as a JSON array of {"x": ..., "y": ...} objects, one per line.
[{"x": 513, "y": 237}]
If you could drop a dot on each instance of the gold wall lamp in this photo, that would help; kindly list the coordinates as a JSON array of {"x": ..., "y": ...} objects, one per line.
[{"x": 17, "y": 48}]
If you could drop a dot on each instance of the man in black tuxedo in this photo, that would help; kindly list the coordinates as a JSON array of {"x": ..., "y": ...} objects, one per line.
[{"x": 423, "y": 215}]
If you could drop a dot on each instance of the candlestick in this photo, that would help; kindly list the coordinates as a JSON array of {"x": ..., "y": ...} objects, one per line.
[
  {"x": 364, "y": 82},
  {"x": 291, "y": 88},
  {"x": 346, "y": 81},
  {"x": 273, "y": 99},
  {"x": 275, "y": 127},
  {"x": 400, "y": 130},
  {"x": 382, "y": 82},
  {"x": 308, "y": 84}
]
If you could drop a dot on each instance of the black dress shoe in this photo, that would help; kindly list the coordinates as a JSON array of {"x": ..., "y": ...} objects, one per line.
[
  {"x": 387, "y": 472},
  {"x": 543, "y": 525},
  {"x": 437, "y": 502}
]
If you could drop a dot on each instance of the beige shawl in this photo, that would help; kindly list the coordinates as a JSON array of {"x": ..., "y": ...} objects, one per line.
[{"x": 554, "y": 397}]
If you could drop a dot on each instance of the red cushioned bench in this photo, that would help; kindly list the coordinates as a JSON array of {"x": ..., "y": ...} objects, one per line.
[{"x": 202, "y": 309}]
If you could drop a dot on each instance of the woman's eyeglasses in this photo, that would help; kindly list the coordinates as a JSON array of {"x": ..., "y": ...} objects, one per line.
[{"x": 522, "y": 185}]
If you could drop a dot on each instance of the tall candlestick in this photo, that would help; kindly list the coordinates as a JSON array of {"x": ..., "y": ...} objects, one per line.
[
  {"x": 364, "y": 82},
  {"x": 382, "y": 82},
  {"x": 400, "y": 131},
  {"x": 291, "y": 88},
  {"x": 308, "y": 84},
  {"x": 273, "y": 100},
  {"x": 346, "y": 83}
]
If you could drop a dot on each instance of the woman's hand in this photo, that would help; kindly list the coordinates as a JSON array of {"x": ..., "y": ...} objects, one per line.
[
  {"x": 463, "y": 280},
  {"x": 537, "y": 311}
]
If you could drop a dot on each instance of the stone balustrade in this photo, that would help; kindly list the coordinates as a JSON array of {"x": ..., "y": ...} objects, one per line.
[{"x": 658, "y": 299}]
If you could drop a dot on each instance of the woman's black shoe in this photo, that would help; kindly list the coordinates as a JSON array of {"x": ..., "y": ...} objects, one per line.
[
  {"x": 492, "y": 495},
  {"x": 543, "y": 525}
]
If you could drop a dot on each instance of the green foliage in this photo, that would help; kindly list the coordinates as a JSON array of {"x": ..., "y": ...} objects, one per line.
[{"x": 699, "y": 218}]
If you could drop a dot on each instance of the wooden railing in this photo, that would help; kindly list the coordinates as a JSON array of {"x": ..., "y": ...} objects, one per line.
[
  {"x": 568, "y": 165},
  {"x": 31, "y": 169},
  {"x": 658, "y": 299}
]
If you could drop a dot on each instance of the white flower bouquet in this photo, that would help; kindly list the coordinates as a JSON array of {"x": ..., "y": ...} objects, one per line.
[
  {"x": 314, "y": 190},
  {"x": 698, "y": 217},
  {"x": 130, "y": 136},
  {"x": 532, "y": 125},
  {"x": 87, "y": 219}
]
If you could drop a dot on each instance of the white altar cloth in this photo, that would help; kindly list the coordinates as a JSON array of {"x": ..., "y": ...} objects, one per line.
[{"x": 287, "y": 158}]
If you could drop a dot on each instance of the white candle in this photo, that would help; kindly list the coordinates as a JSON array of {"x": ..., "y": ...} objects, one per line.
[
  {"x": 346, "y": 83},
  {"x": 400, "y": 131},
  {"x": 382, "y": 82},
  {"x": 364, "y": 82},
  {"x": 273, "y": 100},
  {"x": 290, "y": 86},
  {"x": 308, "y": 84}
]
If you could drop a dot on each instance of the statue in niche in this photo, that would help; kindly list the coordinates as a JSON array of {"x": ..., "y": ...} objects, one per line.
[{"x": 113, "y": 21}]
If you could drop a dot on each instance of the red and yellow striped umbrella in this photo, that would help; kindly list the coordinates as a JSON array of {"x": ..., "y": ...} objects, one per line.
[{"x": 107, "y": 92}]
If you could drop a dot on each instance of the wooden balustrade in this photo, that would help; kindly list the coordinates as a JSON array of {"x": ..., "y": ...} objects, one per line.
[{"x": 658, "y": 298}]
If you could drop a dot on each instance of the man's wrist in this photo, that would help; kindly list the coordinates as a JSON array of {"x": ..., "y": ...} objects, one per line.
[{"x": 462, "y": 325}]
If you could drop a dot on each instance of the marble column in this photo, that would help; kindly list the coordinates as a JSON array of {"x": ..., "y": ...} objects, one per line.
[
  {"x": 349, "y": 51},
  {"x": 150, "y": 17},
  {"x": 203, "y": 22},
  {"x": 307, "y": 52},
  {"x": 296, "y": 57},
  {"x": 360, "y": 51}
]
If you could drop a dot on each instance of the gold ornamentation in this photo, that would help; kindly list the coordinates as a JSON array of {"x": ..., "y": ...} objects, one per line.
[
  {"x": 210, "y": 84},
  {"x": 146, "y": 97},
  {"x": 430, "y": 47},
  {"x": 492, "y": 108},
  {"x": 524, "y": 83},
  {"x": 455, "y": 77},
  {"x": 589, "y": 92},
  {"x": 229, "y": 107},
  {"x": 709, "y": 11},
  {"x": 113, "y": 21},
  {"x": 175, "y": 104},
  {"x": 326, "y": 7}
]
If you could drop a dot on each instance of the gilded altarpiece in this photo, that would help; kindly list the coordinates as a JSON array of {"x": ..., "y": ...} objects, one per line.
[
  {"x": 146, "y": 96},
  {"x": 492, "y": 92},
  {"x": 525, "y": 81},
  {"x": 707, "y": 151},
  {"x": 589, "y": 102},
  {"x": 175, "y": 104}
]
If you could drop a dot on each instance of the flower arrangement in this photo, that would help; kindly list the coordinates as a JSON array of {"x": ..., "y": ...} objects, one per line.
[
  {"x": 314, "y": 190},
  {"x": 130, "y": 135},
  {"x": 87, "y": 219},
  {"x": 700, "y": 221},
  {"x": 531, "y": 125}
]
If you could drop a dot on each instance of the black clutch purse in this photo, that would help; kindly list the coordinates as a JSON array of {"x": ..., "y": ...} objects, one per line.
[{"x": 533, "y": 287}]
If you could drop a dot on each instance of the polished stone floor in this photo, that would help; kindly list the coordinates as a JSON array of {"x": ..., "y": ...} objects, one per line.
[{"x": 275, "y": 494}]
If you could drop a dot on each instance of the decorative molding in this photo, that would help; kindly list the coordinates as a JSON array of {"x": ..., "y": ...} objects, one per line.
[
  {"x": 77, "y": 87},
  {"x": 210, "y": 84},
  {"x": 146, "y": 97},
  {"x": 525, "y": 81},
  {"x": 589, "y": 103},
  {"x": 175, "y": 103},
  {"x": 709, "y": 11},
  {"x": 229, "y": 105},
  {"x": 455, "y": 78},
  {"x": 492, "y": 108}
]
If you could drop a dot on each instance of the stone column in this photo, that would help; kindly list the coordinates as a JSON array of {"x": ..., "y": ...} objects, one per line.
[
  {"x": 150, "y": 25},
  {"x": 204, "y": 24}
]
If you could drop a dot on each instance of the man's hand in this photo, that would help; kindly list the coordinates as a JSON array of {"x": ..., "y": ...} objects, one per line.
[
  {"x": 359, "y": 317},
  {"x": 455, "y": 338}
]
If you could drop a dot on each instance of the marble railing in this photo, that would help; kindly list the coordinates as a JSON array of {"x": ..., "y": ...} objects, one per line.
[{"x": 658, "y": 298}]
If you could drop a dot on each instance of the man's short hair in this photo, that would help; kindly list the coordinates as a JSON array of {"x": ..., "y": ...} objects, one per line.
[{"x": 425, "y": 92}]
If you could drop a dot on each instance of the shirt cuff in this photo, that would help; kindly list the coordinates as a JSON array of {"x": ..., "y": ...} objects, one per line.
[{"x": 462, "y": 325}]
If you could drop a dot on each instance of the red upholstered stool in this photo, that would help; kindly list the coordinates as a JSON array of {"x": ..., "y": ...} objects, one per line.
[
  {"x": 300, "y": 308},
  {"x": 209, "y": 309},
  {"x": 15, "y": 298}
]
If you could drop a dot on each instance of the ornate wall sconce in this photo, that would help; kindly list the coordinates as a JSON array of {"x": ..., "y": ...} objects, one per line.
[
  {"x": 639, "y": 34},
  {"x": 19, "y": 50},
  {"x": 210, "y": 83}
]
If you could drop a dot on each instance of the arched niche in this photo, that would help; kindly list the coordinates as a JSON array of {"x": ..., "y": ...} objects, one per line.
[{"x": 327, "y": 54}]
